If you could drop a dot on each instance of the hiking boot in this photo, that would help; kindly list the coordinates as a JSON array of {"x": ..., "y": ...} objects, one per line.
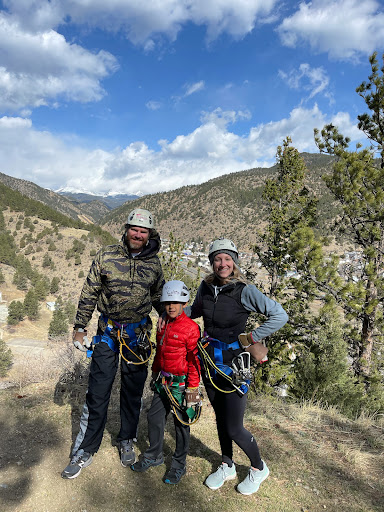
[
  {"x": 173, "y": 476},
  {"x": 127, "y": 453},
  {"x": 80, "y": 460},
  {"x": 223, "y": 473},
  {"x": 253, "y": 480},
  {"x": 144, "y": 463}
]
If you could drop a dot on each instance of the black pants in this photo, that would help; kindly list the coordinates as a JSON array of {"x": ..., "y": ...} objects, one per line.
[
  {"x": 229, "y": 410},
  {"x": 103, "y": 370},
  {"x": 157, "y": 417}
]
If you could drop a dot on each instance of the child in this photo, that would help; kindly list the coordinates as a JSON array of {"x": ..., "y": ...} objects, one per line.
[{"x": 176, "y": 358}]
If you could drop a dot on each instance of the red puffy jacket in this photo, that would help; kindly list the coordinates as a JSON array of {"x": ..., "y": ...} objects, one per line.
[{"x": 176, "y": 350}]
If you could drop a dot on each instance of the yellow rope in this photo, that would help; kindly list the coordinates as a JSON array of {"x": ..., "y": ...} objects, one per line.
[
  {"x": 123, "y": 344},
  {"x": 176, "y": 406},
  {"x": 208, "y": 362}
]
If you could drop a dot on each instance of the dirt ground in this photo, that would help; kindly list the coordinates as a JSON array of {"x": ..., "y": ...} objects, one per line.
[{"x": 318, "y": 459}]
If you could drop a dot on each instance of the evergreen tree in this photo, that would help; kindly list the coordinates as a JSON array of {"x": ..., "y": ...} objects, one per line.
[
  {"x": 358, "y": 184},
  {"x": 2, "y": 278},
  {"x": 290, "y": 207},
  {"x": 54, "y": 285},
  {"x": 6, "y": 358},
  {"x": 47, "y": 261},
  {"x": 322, "y": 371},
  {"x": 15, "y": 312},
  {"x": 31, "y": 305},
  {"x": 70, "y": 311},
  {"x": 20, "y": 280},
  {"x": 58, "y": 325},
  {"x": 42, "y": 286},
  {"x": 171, "y": 261}
]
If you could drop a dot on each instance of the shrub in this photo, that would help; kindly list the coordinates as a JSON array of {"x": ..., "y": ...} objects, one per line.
[
  {"x": 6, "y": 358},
  {"x": 15, "y": 312}
]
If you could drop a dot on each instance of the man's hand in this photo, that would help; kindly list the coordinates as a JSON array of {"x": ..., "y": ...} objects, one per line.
[
  {"x": 192, "y": 397},
  {"x": 80, "y": 340},
  {"x": 160, "y": 322}
]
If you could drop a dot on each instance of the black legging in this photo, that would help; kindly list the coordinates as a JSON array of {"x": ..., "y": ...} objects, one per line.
[{"x": 229, "y": 409}]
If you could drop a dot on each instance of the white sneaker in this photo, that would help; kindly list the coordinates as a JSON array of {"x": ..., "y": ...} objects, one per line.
[
  {"x": 221, "y": 475},
  {"x": 252, "y": 481}
]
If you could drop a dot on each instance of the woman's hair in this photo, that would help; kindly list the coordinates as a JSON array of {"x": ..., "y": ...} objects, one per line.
[{"x": 235, "y": 276}]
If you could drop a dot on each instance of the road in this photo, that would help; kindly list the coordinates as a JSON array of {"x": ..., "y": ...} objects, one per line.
[{"x": 25, "y": 345}]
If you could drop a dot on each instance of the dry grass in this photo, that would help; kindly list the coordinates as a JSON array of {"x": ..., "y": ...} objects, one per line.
[{"x": 319, "y": 460}]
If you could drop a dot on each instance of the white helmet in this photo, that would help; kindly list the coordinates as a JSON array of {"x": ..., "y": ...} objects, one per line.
[
  {"x": 223, "y": 245},
  {"x": 175, "y": 291},
  {"x": 140, "y": 217}
]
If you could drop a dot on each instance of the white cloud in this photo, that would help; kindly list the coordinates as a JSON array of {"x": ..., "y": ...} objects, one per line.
[
  {"x": 343, "y": 28},
  {"x": 38, "y": 66},
  {"x": 192, "y": 88},
  {"x": 211, "y": 150},
  {"x": 143, "y": 21},
  {"x": 41, "y": 157},
  {"x": 41, "y": 68},
  {"x": 315, "y": 80},
  {"x": 153, "y": 105}
]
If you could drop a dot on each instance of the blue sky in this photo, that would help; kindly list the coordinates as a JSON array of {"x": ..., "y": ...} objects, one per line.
[{"x": 127, "y": 96}]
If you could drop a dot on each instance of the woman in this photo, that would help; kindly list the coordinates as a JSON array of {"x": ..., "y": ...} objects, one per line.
[{"x": 225, "y": 300}]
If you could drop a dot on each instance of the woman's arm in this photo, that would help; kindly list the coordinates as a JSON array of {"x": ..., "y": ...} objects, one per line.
[{"x": 254, "y": 300}]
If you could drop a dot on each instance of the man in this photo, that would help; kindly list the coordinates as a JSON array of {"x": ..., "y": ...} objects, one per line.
[{"x": 124, "y": 282}]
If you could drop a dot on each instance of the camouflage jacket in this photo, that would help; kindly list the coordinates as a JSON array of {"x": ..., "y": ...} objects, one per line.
[{"x": 122, "y": 287}]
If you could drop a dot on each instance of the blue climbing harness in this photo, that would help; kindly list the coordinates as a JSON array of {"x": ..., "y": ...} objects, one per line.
[
  {"x": 126, "y": 330},
  {"x": 238, "y": 374}
]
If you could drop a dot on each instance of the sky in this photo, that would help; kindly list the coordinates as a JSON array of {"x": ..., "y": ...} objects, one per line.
[{"x": 139, "y": 97}]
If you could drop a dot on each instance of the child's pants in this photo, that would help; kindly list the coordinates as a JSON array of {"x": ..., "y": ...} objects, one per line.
[{"x": 157, "y": 417}]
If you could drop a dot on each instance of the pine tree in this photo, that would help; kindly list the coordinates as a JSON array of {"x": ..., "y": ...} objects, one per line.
[
  {"x": 290, "y": 207},
  {"x": 20, "y": 280},
  {"x": 47, "y": 261},
  {"x": 322, "y": 371},
  {"x": 15, "y": 312},
  {"x": 171, "y": 261},
  {"x": 59, "y": 324},
  {"x": 42, "y": 286},
  {"x": 54, "y": 285},
  {"x": 357, "y": 182},
  {"x": 6, "y": 358},
  {"x": 31, "y": 305}
]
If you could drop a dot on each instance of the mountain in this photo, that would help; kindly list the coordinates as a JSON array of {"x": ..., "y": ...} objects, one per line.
[
  {"x": 110, "y": 201},
  {"x": 35, "y": 238},
  {"x": 230, "y": 205},
  {"x": 49, "y": 198}
]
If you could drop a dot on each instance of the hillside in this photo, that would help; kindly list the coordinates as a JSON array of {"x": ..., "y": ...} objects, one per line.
[
  {"x": 230, "y": 205},
  {"x": 109, "y": 201},
  {"x": 318, "y": 459},
  {"x": 87, "y": 212},
  {"x": 38, "y": 243}
]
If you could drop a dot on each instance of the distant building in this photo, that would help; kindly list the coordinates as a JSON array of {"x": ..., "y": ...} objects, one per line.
[{"x": 51, "y": 306}]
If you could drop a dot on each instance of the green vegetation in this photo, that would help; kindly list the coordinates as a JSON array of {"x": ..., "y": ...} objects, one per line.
[
  {"x": 31, "y": 305},
  {"x": 6, "y": 358},
  {"x": 15, "y": 312},
  {"x": 59, "y": 323},
  {"x": 17, "y": 202},
  {"x": 349, "y": 319}
]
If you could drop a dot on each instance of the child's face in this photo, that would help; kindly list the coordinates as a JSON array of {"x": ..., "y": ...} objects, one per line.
[{"x": 174, "y": 309}]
